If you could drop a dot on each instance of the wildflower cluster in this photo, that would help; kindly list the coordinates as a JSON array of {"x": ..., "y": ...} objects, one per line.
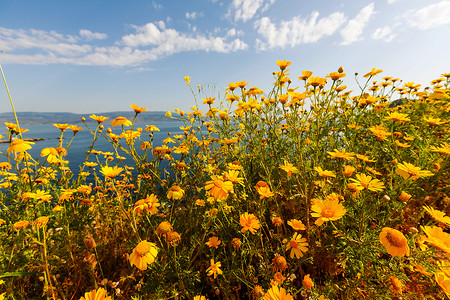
[{"x": 308, "y": 191}]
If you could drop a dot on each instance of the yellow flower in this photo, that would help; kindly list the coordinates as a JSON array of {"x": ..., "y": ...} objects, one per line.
[
  {"x": 111, "y": 172},
  {"x": 289, "y": 168},
  {"x": 19, "y": 146},
  {"x": 296, "y": 225},
  {"x": 249, "y": 222},
  {"x": 327, "y": 210},
  {"x": 214, "y": 269},
  {"x": 396, "y": 285},
  {"x": 437, "y": 237},
  {"x": 276, "y": 293},
  {"x": 324, "y": 173},
  {"x": 121, "y": 121},
  {"x": 263, "y": 190},
  {"x": 61, "y": 127},
  {"x": 218, "y": 187},
  {"x": 99, "y": 119},
  {"x": 336, "y": 75},
  {"x": 437, "y": 215},
  {"x": 149, "y": 204},
  {"x": 363, "y": 181},
  {"x": 213, "y": 242},
  {"x": 397, "y": 117},
  {"x": 175, "y": 193},
  {"x": 138, "y": 109},
  {"x": 443, "y": 149},
  {"x": 380, "y": 132},
  {"x": 198, "y": 297},
  {"x": 151, "y": 128},
  {"x": 283, "y": 64},
  {"x": 164, "y": 228},
  {"x": 409, "y": 171},
  {"x": 40, "y": 222},
  {"x": 305, "y": 75},
  {"x": 341, "y": 154},
  {"x": 187, "y": 79},
  {"x": 394, "y": 241},
  {"x": 443, "y": 280},
  {"x": 298, "y": 246},
  {"x": 317, "y": 81},
  {"x": 143, "y": 255},
  {"x": 99, "y": 294},
  {"x": 373, "y": 72}
]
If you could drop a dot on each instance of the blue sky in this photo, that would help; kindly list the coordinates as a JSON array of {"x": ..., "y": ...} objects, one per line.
[{"x": 89, "y": 56}]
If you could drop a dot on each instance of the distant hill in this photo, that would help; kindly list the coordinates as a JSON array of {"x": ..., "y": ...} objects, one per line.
[{"x": 34, "y": 118}]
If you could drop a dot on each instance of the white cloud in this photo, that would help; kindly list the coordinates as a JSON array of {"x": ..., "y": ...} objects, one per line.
[
  {"x": 431, "y": 16},
  {"x": 353, "y": 30},
  {"x": 244, "y": 10},
  {"x": 384, "y": 34},
  {"x": 89, "y": 35},
  {"x": 193, "y": 15},
  {"x": 48, "y": 41},
  {"x": 149, "y": 42},
  {"x": 391, "y": 1},
  {"x": 297, "y": 30}
]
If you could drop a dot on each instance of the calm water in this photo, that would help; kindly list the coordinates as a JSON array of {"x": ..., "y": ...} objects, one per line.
[{"x": 83, "y": 139}]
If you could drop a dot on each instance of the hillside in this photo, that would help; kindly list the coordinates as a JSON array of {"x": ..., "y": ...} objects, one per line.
[{"x": 33, "y": 118}]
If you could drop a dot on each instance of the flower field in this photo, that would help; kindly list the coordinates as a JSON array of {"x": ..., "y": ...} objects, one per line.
[{"x": 304, "y": 191}]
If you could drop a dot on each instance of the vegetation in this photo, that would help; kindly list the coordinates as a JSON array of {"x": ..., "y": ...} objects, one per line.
[{"x": 305, "y": 192}]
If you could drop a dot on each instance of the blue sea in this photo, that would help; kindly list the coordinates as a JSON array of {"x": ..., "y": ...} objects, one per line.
[{"x": 83, "y": 139}]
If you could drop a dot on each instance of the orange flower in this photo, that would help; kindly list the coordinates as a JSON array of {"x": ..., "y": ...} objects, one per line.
[
  {"x": 394, "y": 241},
  {"x": 317, "y": 81},
  {"x": 348, "y": 170},
  {"x": 279, "y": 263},
  {"x": 143, "y": 255},
  {"x": 218, "y": 187},
  {"x": 263, "y": 190},
  {"x": 404, "y": 196},
  {"x": 149, "y": 204},
  {"x": 164, "y": 228},
  {"x": 296, "y": 225},
  {"x": 249, "y": 222},
  {"x": 307, "y": 282},
  {"x": 298, "y": 246},
  {"x": 21, "y": 224},
  {"x": 213, "y": 242},
  {"x": 138, "y": 109}
]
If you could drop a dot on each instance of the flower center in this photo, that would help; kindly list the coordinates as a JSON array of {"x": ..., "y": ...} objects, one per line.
[
  {"x": 293, "y": 243},
  {"x": 395, "y": 239},
  {"x": 327, "y": 213}
]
